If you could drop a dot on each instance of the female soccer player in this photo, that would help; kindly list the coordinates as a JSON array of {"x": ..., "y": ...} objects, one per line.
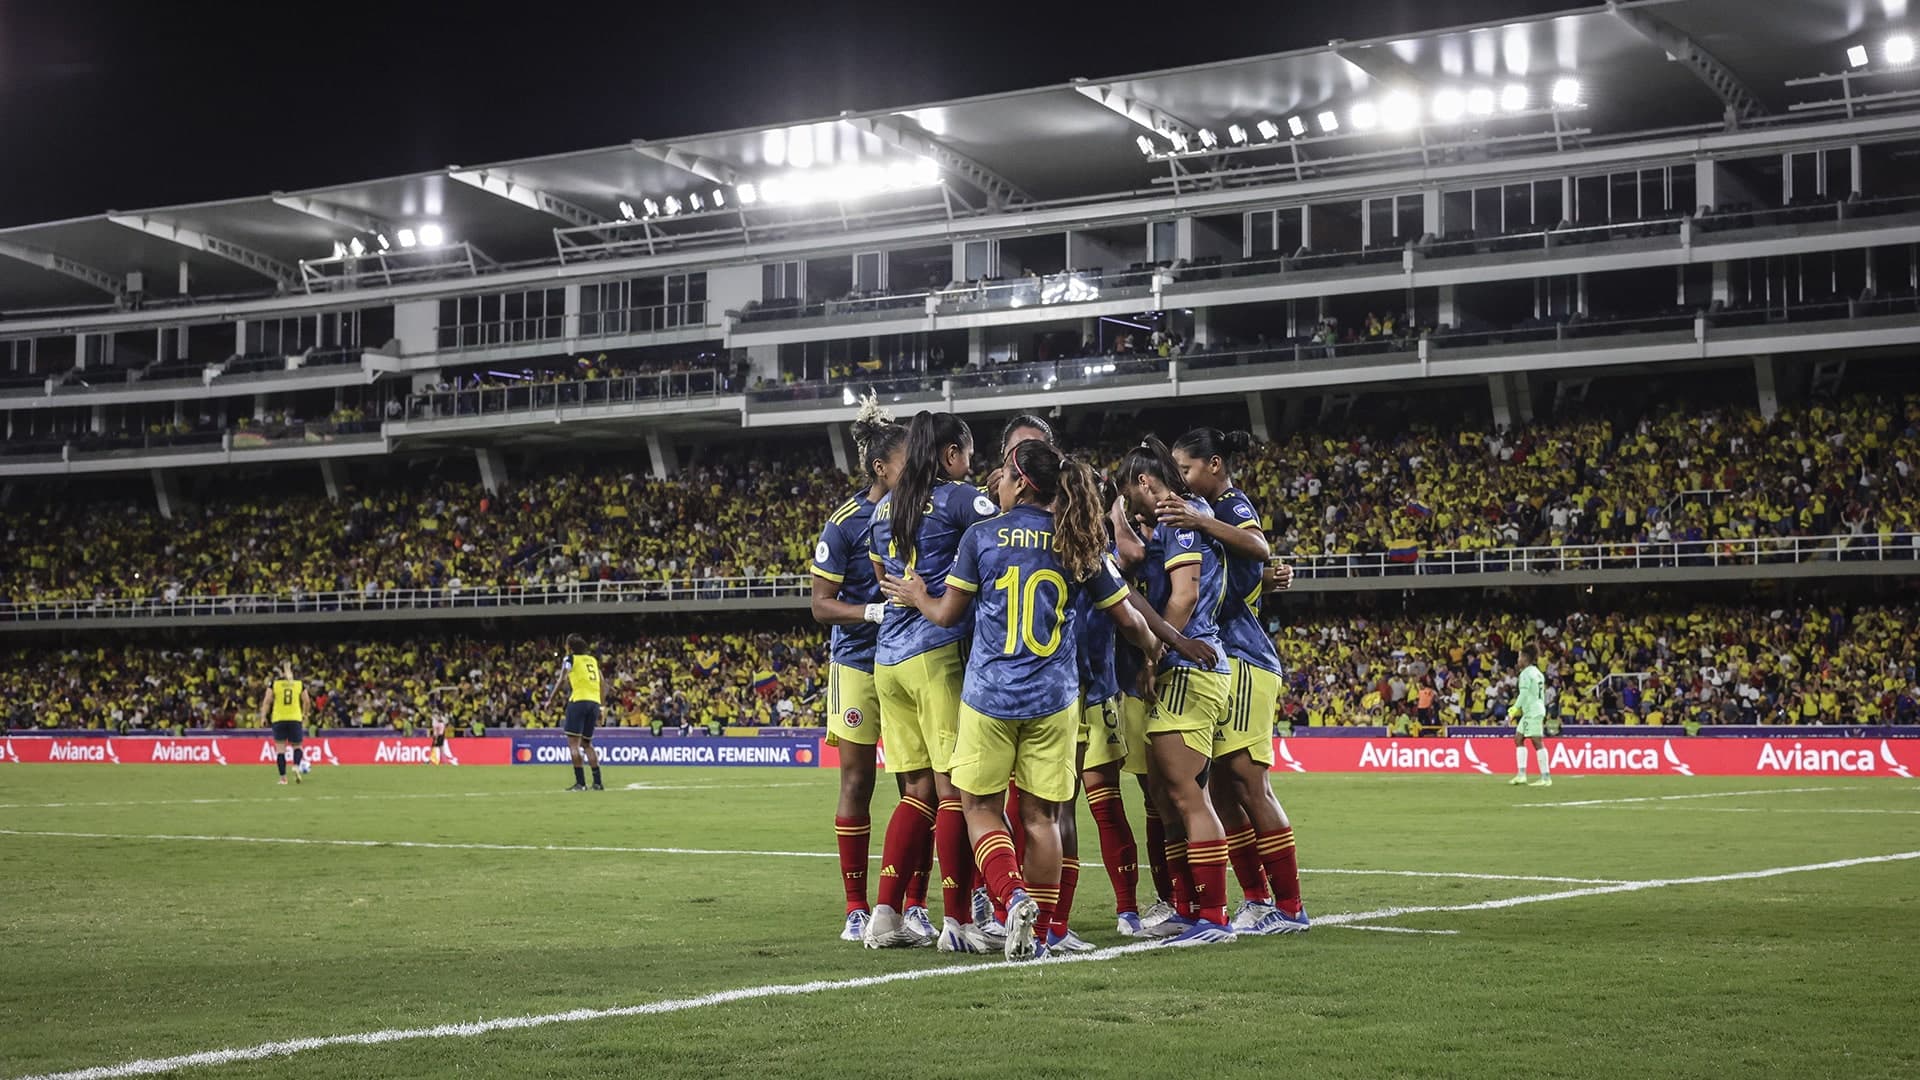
[
  {"x": 847, "y": 597},
  {"x": 1259, "y": 836},
  {"x": 1184, "y": 578},
  {"x": 581, "y": 674},
  {"x": 918, "y": 673},
  {"x": 286, "y": 706},
  {"x": 1022, "y": 686}
]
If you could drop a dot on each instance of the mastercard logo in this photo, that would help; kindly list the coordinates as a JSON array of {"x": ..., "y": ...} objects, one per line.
[
  {"x": 523, "y": 755},
  {"x": 803, "y": 756}
]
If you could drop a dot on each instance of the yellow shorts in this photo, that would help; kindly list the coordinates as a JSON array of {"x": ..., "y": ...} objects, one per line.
[
  {"x": 853, "y": 707},
  {"x": 1190, "y": 702},
  {"x": 1133, "y": 735},
  {"x": 1100, "y": 733},
  {"x": 920, "y": 709},
  {"x": 1247, "y": 723},
  {"x": 1038, "y": 754}
]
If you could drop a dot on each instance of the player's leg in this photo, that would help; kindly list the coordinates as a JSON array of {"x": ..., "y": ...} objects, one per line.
[
  {"x": 1106, "y": 751},
  {"x": 1541, "y": 757},
  {"x": 1519, "y": 758},
  {"x": 1181, "y": 731},
  {"x": 1242, "y": 855},
  {"x": 940, "y": 712},
  {"x": 433, "y": 754},
  {"x": 1273, "y": 839},
  {"x": 1242, "y": 765},
  {"x": 298, "y": 745},
  {"x": 1060, "y": 936},
  {"x": 981, "y": 764},
  {"x": 853, "y": 829},
  {"x": 909, "y": 837},
  {"x": 592, "y": 754},
  {"x": 280, "y": 757},
  {"x": 1133, "y": 727}
]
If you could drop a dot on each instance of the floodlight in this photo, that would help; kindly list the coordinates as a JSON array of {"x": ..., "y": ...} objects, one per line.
[
  {"x": 339, "y": 250},
  {"x": 748, "y": 193},
  {"x": 719, "y": 198},
  {"x": 1179, "y": 140},
  {"x": 1270, "y": 130},
  {"x": 1208, "y": 139},
  {"x": 672, "y": 205},
  {"x": 1329, "y": 123},
  {"x": 407, "y": 238},
  {"x": 773, "y": 190},
  {"x": 1237, "y": 134},
  {"x": 652, "y": 208},
  {"x": 626, "y": 209},
  {"x": 1899, "y": 49},
  {"x": 1857, "y": 56},
  {"x": 1145, "y": 144},
  {"x": 1566, "y": 92},
  {"x": 1364, "y": 116},
  {"x": 1513, "y": 97},
  {"x": 695, "y": 202},
  {"x": 1480, "y": 101},
  {"x": 381, "y": 238},
  {"x": 1400, "y": 112},
  {"x": 356, "y": 247},
  {"x": 431, "y": 236},
  {"x": 1449, "y": 106}
]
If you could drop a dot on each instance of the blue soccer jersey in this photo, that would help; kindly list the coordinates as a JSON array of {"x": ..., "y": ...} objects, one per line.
[
  {"x": 1025, "y": 660},
  {"x": 841, "y": 557},
  {"x": 1240, "y": 627},
  {"x": 951, "y": 508},
  {"x": 1098, "y": 637},
  {"x": 1168, "y": 549}
]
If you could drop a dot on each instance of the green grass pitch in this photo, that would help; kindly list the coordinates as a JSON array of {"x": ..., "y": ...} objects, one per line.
[{"x": 160, "y": 936}]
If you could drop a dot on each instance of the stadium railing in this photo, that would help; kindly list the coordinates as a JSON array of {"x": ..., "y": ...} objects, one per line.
[
  {"x": 1698, "y": 554},
  {"x": 539, "y": 397}
]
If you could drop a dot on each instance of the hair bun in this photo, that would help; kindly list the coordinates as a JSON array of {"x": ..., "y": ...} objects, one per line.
[{"x": 1237, "y": 441}]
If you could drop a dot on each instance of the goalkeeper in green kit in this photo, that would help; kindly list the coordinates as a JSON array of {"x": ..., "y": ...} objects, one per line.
[{"x": 1529, "y": 713}]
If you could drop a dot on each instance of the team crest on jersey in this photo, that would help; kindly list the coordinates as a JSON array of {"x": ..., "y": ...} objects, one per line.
[
  {"x": 820, "y": 553},
  {"x": 984, "y": 506},
  {"x": 853, "y": 718},
  {"x": 1243, "y": 510},
  {"x": 1185, "y": 536}
]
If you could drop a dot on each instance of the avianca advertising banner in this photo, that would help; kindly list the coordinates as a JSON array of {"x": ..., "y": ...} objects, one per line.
[
  {"x": 244, "y": 750},
  {"x": 1606, "y": 756}
]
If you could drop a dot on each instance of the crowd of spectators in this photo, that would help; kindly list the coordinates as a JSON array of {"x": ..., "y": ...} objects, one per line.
[{"x": 728, "y": 678}]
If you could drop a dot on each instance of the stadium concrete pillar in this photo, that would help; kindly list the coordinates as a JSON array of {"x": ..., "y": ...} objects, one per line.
[
  {"x": 1522, "y": 395},
  {"x": 1765, "y": 380},
  {"x": 259, "y": 406},
  {"x": 166, "y": 491},
  {"x": 977, "y": 347},
  {"x": 1502, "y": 401},
  {"x": 493, "y": 468},
  {"x": 842, "y": 455},
  {"x": 1430, "y": 211},
  {"x": 763, "y": 362},
  {"x": 239, "y": 337},
  {"x": 1446, "y": 315},
  {"x": 97, "y": 420},
  {"x": 330, "y": 476},
  {"x": 1306, "y": 229},
  {"x": 1257, "y": 417},
  {"x": 1293, "y": 413},
  {"x": 1202, "y": 325},
  {"x": 664, "y": 454},
  {"x": 186, "y": 279},
  {"x": 1723, "y": 281},
  {"x": 1580, "y": 297}
]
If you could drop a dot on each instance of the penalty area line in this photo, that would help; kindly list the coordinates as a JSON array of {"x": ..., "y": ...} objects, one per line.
[
  {"x": 289, "y": 1047},
  {"x": 1697, "y": 795}
]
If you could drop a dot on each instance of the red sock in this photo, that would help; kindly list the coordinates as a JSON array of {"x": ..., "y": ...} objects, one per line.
[
  {"x": 1069, "y": 880},
  {"x": 956, "y": 862},
  {"x": 994, "y": 853},
  {"x": 1016, "y": 827},
  {"x": 917, "y": 883},
  {"x": 1182, "y": 877},
  {"x": 1048, "y": 898},
  {"x": 909, "y": 835},
  {"x": 853, "y": 834},
  {"x": 1283, "y": 868},
  {"x": 1207, "y": 862},
  {"x": 1117, "y": 848},
  {"x": 1245, "y": 856},
  {"x": 1157, "y": 855}
]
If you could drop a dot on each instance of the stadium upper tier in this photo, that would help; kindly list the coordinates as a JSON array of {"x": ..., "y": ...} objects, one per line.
[
  {"x": 1679, "y": 490},
  {"x": 1821, "y": 662}
]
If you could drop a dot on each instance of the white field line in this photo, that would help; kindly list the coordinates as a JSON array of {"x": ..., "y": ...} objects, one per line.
[
  {"x": 1389, "y": 929},
  {"x": 1799, "y": 810},
  {"x": 1676, "y": 798},
  {"x": 607, "y": 848},
  {"x": 557, "y": 794},
  {"x": 285, "y": 1048}
]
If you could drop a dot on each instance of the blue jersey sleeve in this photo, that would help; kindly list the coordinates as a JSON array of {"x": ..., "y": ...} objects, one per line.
[
  {"x": 966, "y": 562},
  {"x": 962, "y": 505},
  {"x": 1106, "y": 587},
  {"x": 832, "y": 554},
  {"x": 1234, "y": 508},
  {"x": 1179, "y": 547}
]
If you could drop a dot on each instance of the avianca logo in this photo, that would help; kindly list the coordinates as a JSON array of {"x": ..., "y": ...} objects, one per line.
[
  {"x": 7, "y": 752},
  {"x": 1587, "y": 757},
  {"x": 399, "y": 753},
  {"x": 1894, "y": 766},
  {"x": 64, "y": 750},
  {"x": 166, "y": 750},
  {"x": 1395, "y": 756},
  {"x": 1473, "y": 759},
  {"x": 1798, "y": 758},
  {"x": 1285, "y": 757}
]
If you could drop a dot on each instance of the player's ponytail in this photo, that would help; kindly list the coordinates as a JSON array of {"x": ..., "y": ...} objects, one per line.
[
  {"x": 1080, "y": 520},
  {"x": 1153, "y": 459},
  {"x": 1207, "y": 443},
  {"x": 929, "y": 435},
  {"x": 875, "y": 436}
]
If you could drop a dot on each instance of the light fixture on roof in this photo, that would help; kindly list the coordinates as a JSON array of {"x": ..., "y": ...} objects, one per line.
[
  {"x": 672, "y": 205},
  {"x": 1271, "y": 131},
  {"x": 695, "y": 202},
  {"x": 339, "y": 250},
  {"x": 381, "y": 238},
  {"x": 356, "y": 247},
  {"x": 1208, "y": 139},
  {"x": 719, "y": 198},
  {"x": 1237, "y": 134},
  {"x": 1179, "y": 139},
  {"x": 1899, "y": 49},
  {"x": 1145, "y": 144},
  {"x": 652, "y": 208},
  {"x": 1514, "y": 97},
  {"x": 408, "y": 238},
  {"x": 1329, "y": 123},
  {"x": 1363, "y": 116},
  {"x": 1480, "y": 101},
  {"x": 1400, "y": 112},
  {"x": 626, "y": 209},
  {"x": 1566, "y": 92},
  {"x": 1857, "y": 56},
  {"x": 1449, "y": 106},
  {"x": 747, "y": 193},
  {"x": 431, "y": 236}
]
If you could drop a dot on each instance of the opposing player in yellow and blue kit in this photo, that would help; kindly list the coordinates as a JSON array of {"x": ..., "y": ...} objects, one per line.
[
  {"x": 580, "y": 673},
  {"x": 1260, "y": 842},
  {"x": 846, "y": 596},
  {"x": 1018, "y": 574},
  {"x": 918, "y": 673},
  {"x": 286, "y": 706},
  {"x": 1184, "y": 579}
]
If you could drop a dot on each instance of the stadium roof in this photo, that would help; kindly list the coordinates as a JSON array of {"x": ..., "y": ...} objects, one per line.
[{"x": 1645, "y": 65}]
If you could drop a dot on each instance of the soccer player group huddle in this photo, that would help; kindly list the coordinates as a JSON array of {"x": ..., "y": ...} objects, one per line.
[{"x": 1019, "y": 642}]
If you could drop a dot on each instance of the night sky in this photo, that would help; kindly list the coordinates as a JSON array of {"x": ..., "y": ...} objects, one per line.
[{"x": 135, "y": 104}]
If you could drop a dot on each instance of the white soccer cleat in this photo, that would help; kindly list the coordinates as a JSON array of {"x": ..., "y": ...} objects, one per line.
[
  {"x": 994, "y": 930},
  {"x": 856, "y": 928},
  {"x": 1518, "y": 780},
  {"x": 920, "y": 923},
  {"x": 1249, "y": 915},
  {"x": 1068, "y": 942},
  {"x": 1544, "y": 781},
  {"x": 982, "y": 906},
  {"x": 1127, "y": 924},
  {"x": 887, "y": 929},
  {"x": 1160, "y": 912},
  {"x": 1022, "y": 914},
  {"x": 958, "y": 937}
]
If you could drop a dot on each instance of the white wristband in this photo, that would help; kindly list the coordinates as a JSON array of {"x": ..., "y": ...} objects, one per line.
[{"x": 876, "y": 612}]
